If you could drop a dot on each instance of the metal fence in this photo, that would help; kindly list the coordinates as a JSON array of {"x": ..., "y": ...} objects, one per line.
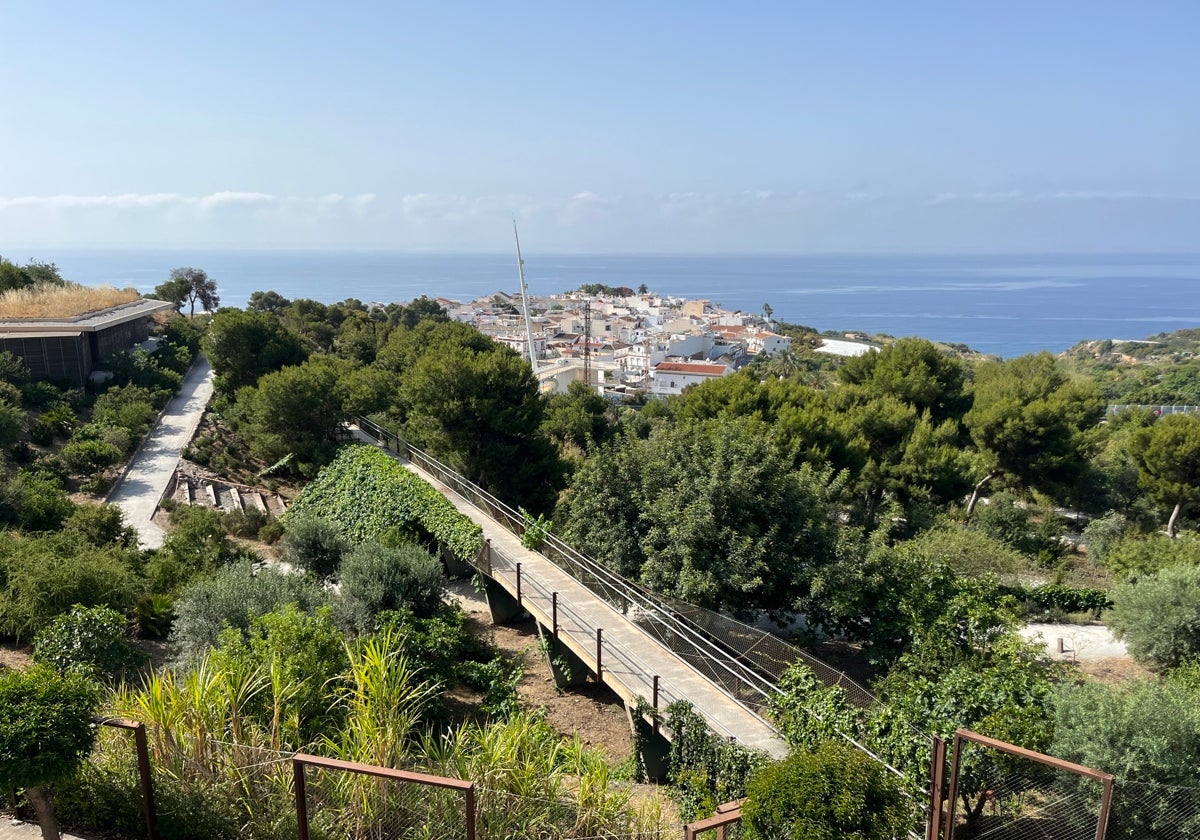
[
  {"x": 725, "y": 824},
  {"x": 1004, "y": 792},
  {"x": 744, "y": 661},
  {"x": 352, "y": 801}
]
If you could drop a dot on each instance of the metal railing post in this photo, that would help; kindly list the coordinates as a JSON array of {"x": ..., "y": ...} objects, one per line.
[
  {"x": 554, "y": 615},
  {"x": 301, "y": 800},
  {"x": 518, "y": 584},
  {"x": 599, "y": 652},
  {"x": 654, "y": 702},
  {"x": 937, "y": 775},
  {"x": 147, "y": 780},
  {"x": 470, "y": 809}
]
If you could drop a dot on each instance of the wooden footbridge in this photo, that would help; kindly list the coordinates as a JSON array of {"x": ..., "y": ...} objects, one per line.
[{"x": 644, "y": 647}]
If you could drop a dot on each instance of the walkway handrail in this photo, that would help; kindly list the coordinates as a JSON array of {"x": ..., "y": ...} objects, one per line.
[
  {"x": 706, "y": 650},
  {"x": 657, "y": 616}
]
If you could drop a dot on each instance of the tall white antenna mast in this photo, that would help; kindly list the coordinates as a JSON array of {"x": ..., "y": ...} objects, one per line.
[{"x": 525, "y": 301}]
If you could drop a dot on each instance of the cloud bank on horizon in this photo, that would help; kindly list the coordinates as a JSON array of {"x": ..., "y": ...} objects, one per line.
[
  {"x": 778, "y": 125},
  {"x": 748, "y": 220}
]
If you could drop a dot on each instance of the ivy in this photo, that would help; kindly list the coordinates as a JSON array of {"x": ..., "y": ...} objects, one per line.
[
  {"x": 706, "y": 770},
  {"x": 368, "y": 494}
]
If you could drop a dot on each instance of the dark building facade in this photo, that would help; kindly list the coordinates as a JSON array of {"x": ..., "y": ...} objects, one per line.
[{"x": 68, "y": 349}]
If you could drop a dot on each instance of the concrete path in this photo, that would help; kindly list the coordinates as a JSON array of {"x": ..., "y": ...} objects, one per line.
[
  {"x": 1080, "y": 641},
  {"x": 11, "y": 829},
  {"x": 138, "y": 492},
  {"x": 631, "y": 656}
]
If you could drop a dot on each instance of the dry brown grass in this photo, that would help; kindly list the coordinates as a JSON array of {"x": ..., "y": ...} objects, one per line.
[{"x": 66, "y": 301}]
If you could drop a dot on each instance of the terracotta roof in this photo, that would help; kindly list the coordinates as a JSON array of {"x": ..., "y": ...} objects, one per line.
[{"x": 695, "y": 368}]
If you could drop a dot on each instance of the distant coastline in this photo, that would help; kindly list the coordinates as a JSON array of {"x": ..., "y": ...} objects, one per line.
[{"x": 1005, "y": 305}]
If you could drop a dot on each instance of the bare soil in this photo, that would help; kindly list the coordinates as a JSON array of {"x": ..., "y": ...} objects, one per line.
[
  {"x": 14, "y": 656},
  {"x": 1112, "y": 671},
  {"x": 592, "y": 711}
]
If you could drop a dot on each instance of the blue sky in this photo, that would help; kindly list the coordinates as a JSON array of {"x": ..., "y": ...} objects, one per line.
[{"x": 651, "y": 126}]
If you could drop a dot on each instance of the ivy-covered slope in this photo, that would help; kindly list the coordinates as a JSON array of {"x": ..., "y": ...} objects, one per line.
[{"x": 367, "y": 492}]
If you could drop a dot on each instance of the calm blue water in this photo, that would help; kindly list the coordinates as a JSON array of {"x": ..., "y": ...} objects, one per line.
[{"x": 1008, "y": 305}]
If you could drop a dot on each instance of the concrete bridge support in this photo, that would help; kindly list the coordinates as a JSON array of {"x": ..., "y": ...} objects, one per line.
[
  {"x": 455, "y": 567},
  {"x": 566, "y": 667},
  {"x": 502, "y": 605}
]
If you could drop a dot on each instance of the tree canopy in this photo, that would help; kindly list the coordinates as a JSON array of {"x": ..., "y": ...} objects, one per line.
[{"x": 1168, "y": 457}]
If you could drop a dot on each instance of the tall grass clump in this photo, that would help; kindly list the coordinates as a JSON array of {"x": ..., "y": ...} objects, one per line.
[{"x": 49, "y": 300}]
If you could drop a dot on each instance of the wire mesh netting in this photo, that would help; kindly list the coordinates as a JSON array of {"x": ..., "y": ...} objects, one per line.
[
  {"x": 1152, "y": 811},
  {"x": 1008, "y": 797},
  {"x": 356, "y": 806},
  {"x": 512, "y": 815}
]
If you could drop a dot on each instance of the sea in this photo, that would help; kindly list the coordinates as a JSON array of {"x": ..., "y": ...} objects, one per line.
[{"x": 1006, "y": 305}]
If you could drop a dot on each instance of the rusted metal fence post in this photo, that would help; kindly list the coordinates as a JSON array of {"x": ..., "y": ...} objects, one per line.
[
  {"x": 301, "y": 799},
  {"x": 145, "y": 773},
  {"x": 937, "y": 776}
]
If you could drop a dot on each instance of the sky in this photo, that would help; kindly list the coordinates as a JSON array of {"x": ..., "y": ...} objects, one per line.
[{"x": 650, "y": 126}]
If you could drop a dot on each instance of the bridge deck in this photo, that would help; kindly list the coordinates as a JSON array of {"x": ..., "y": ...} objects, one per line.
[{"x": 630, "y": 658}]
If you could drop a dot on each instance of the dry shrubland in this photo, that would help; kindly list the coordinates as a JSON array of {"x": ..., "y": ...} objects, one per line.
[{"x": 61, "y": 301}]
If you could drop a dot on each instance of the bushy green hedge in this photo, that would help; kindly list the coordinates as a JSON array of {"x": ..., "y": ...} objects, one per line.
[
  {"x": 368, "y": 493},
  {"x": 1064, "y": 598}
]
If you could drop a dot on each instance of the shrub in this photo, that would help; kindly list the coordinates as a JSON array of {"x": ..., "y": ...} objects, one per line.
[
  {"x": 12, "y": 420},
  {"x": 271, "y": 531},
  {"x": 197, "y": 544},
  {"x": 233, "y": 597},
  {"x": 46, "y": 731},
  {"x": 833, "y": 792},
  {"x": 1052, "y": 598},
  {"x": 45, "y": 576},
  {"x": 1159, "y": 617},
  {"x": 1133, "y": 557},
  {"x": 88, "y": 640},
  {"x": 382, "y": 578},
  {"x": 1101, "y": 534},
  {"x": 1147, "y": 734},
  {"x": 89, "y": 456},
  {"x": 60, "y": 417},
  {"x": 44, "y": 504},
  {"x": 300, "y": 650},
  {"x": 245, "y": 523},
  {"x": 313, "y": 544},
  {"x": 130, "y": 406},
  {"x": 101, "y": 525},
  {"x": 154, "y": 614},
  {"x": 39, "y": 394}
]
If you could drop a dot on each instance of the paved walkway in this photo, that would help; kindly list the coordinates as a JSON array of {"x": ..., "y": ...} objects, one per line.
[
  {"x": 631, "y": 657},
  {"x": 138, "y": 492},
  {"x": 11, "y": 829},
  {"x": 1080, "y": 641}
]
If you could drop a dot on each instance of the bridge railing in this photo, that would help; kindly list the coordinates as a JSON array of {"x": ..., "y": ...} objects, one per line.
[
  {"x": 648, "y": 611},
  {"x": 633, "y": 672}
]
